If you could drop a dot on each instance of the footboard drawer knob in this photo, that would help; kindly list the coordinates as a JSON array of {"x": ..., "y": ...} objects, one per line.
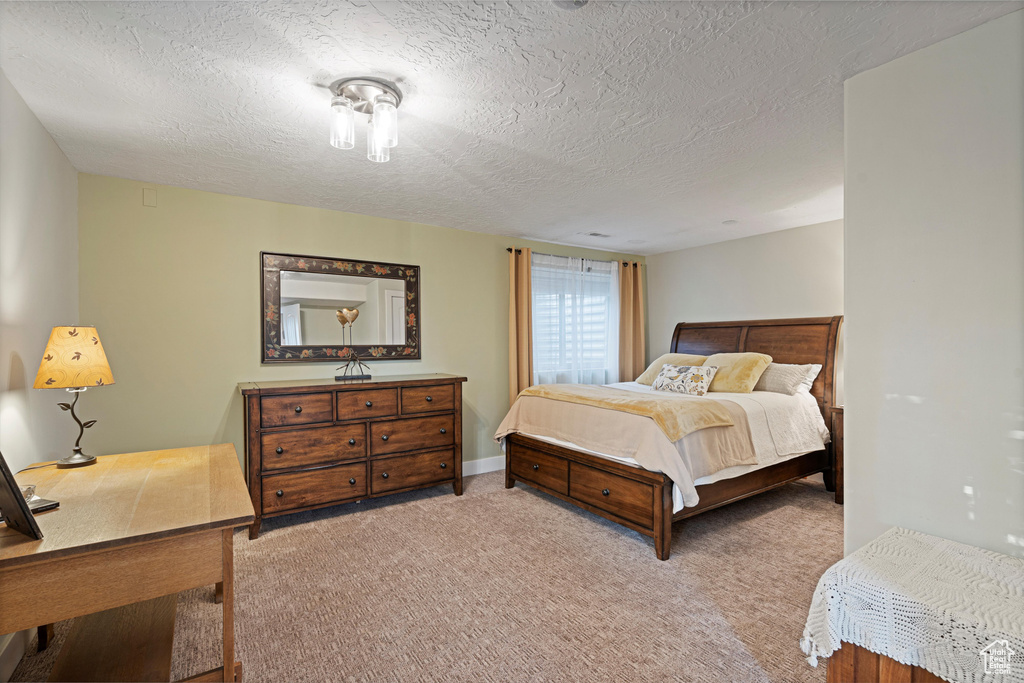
[
  {"x": 352, "y": 481},
  {"x": 280, "y": 450},
  {"x": 385, "y": 475},
  {"x": 605, "y": 492},
  {"x": 280, "y": 493},
  {"x": 536, "y": 467},
  {"x": 444, "y": 465},
  {"x": 351, "y": 442}
]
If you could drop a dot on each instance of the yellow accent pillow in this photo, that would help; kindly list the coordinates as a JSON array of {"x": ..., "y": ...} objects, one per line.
[
  {"x": 737, "y": 372},
  {"x": 651, "y": 373}
]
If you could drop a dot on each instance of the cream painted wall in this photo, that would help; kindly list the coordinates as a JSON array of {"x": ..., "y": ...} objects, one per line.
[
  {"x": 787, "y": 274},
  {"x": 935, "y": 292},
  {"x": 38, "y": 280},
  {"x": 177, "y": 353}
]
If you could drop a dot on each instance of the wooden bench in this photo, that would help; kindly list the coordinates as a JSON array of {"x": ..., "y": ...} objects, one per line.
[{"x": 855, "y": 664}]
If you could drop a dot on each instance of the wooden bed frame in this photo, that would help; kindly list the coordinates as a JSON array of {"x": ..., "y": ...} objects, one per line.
[{"x": 641, "y": 499}]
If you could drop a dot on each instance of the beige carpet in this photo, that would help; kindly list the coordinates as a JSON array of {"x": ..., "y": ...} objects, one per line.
[{"x": 514, "y": 585}]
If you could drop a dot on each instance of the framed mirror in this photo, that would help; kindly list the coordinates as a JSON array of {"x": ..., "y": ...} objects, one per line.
[{"x": 302, "y": 302}]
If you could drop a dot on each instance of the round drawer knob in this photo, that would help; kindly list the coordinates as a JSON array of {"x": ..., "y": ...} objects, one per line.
[
  {"x": 429, "y": 399},
  {"x": 351, "y": 442},
  {"x": 444, "y": 466},
  {"x": 280, "y": 450},
  {"x": 536, "y": 467},
  {"x": 352, "y": 481},
  {"x": 385, "y": 437},
  {"x": 298, "y": 409},
  {"x": 280, "y": 493},
  {"x": 385, "y": 475},
  {"x": 605, "y": 492},
  {"x": 369, "y": 404},
  {"x": 443, "y": 430}
]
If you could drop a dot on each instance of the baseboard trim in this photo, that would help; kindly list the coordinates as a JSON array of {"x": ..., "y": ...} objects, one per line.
[
  {"x": 483, "y": 465},
  {"x": 12, "y": 649}
]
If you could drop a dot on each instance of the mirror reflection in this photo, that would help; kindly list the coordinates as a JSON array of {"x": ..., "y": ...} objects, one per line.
[{"x": 313, "y": 304}]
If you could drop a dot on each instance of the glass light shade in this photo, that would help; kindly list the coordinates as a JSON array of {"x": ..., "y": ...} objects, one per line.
[
  {"x": 376, "y": 150},
  {"x": 343, "y": 123},
  {"x": 385, "y": 119}
]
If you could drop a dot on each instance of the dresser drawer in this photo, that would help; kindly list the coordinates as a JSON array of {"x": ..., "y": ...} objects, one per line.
[
  {"x": 395, "y": 436},
  {"x": 313, "y": 446},
  {"x": 427, "y": 399},
  {"x": 540, "y": 469},
  {"x": 626, "y": 498},
  {"x": 407, "y": 471},
  {"x": 313, "y": 487},
  {"x": 297, "y": 409},
  {"x": 356, "y": 405}
]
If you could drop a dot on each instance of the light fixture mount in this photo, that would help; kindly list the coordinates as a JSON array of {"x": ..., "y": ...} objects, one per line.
[{"x": 361, "y": 91}]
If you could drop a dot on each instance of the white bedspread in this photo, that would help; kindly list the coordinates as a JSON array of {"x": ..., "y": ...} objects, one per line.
[{"x": 780, "y": 426}]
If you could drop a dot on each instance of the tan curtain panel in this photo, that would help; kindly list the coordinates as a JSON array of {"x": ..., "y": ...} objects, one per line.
[
  {"x": 520, "y": 323},
  {"x": 632, "y": 360}
]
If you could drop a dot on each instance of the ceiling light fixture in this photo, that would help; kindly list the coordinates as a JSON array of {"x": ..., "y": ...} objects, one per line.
[
  {"x": 379, "y": 99},
  {"x": 570, "y": 4}
]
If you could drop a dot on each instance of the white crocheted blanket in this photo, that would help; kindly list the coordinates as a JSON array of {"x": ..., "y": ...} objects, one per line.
[{"x": 950, "y": 608}]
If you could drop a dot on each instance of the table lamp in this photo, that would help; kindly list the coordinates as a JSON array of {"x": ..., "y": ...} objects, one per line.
[{"x": 74, "y": 360}]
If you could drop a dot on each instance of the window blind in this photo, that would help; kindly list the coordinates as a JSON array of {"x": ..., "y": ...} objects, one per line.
[{"x": 575, "y": 312}]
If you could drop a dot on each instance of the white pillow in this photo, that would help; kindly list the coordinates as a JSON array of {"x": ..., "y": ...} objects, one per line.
[
  {"x": 685, "y": 379},
  {"x": 781, "y": 378}
]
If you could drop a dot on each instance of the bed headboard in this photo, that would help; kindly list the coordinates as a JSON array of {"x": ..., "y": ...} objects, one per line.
[{"x": 786, "y": 340}]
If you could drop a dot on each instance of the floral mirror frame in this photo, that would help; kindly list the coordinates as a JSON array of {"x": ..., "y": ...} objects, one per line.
[{"x": 270, "y": 303}]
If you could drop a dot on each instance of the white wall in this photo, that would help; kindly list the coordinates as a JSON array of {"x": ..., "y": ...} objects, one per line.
[
  {"x": 935, "y": 292},
  {"x": 38, "y": 279},
  {"x": 794, "y": 273}
]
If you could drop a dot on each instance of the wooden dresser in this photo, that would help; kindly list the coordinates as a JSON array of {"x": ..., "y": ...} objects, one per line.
[{"x": 314, "y": 443}]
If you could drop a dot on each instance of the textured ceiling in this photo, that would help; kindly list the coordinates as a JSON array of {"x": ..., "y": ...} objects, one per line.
[{"x": 651, "y": 122}]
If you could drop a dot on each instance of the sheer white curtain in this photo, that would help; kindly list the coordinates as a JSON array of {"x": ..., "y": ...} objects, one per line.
[{"x": 575, "y": 320}]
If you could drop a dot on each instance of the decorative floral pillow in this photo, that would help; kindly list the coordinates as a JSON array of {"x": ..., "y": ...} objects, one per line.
[{"x": 685, "y": 379}]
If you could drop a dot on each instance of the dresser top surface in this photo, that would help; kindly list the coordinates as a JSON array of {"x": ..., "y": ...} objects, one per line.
[{"x": 284, "y": 386}]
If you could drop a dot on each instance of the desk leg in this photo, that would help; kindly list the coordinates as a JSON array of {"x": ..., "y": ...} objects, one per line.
[
  {"x": 228, "y": 583},
  {"x": 45, "y": 635}
]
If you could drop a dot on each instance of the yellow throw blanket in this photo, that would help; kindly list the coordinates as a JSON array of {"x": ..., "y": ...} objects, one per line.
[{"x": 675, "y": 417}]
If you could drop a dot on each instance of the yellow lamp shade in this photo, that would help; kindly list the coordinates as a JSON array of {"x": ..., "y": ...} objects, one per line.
[{"x": 73, "y": 358}]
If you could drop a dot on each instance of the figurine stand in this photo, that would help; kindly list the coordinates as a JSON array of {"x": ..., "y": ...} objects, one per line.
[{"x": 354, "y": 367}]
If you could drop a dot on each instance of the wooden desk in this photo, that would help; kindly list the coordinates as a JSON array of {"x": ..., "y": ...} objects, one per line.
[{"x": 130, "y": 528}]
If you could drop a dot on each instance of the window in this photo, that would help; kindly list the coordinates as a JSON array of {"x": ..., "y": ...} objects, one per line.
[{"x": 575, "y": 320}]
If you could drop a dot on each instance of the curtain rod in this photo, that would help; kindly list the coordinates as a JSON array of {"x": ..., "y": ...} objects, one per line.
[{"x": 625, "y": 264}]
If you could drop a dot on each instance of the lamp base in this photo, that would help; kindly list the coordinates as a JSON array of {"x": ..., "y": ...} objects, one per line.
[{"x": 79, "y": 459}]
